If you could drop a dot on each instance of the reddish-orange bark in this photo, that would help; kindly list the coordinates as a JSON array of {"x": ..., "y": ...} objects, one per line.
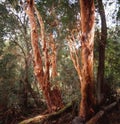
[
  {"x": 84, "y": 62},
  {"x": 53, "y": 97},
  {"x": 87, "y": 38},
  {"x": 53, "y": 57}
]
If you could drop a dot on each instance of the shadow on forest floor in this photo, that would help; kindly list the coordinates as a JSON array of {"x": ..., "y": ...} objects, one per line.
[{"x": 111, "y": 117}]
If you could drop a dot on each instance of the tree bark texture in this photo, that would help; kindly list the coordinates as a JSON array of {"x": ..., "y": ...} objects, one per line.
[
  {"x": 87, "y": 41},
  {"x": 101, "y": 61},
  {"x": 52, "y": 97}
]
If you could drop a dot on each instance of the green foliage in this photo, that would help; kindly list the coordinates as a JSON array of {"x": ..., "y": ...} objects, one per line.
[
  {"x": 118, "y": 13},
  {"x": 8, "y": 79},
  {"x": 112, "y": 70},
  {"x": 14, "y": 46},
  {"x": 62, "y": 11},
  {"x": 3, "y": 12},
  {"x": 12, "y": 64},
  {"x": 68, "y": 79}
]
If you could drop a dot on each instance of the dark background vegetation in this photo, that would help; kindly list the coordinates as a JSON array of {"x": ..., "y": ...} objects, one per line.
[{"x": 60, "y": 16}]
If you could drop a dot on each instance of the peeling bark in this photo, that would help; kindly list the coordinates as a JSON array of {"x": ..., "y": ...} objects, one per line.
[
  {"x": 53, "y": 57},
  {"x": 87, "y": 41},
  {"x": 53, "y": 102},
  {"x": 84, "y": 63}
]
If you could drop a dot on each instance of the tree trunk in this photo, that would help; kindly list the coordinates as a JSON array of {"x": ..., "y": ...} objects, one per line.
[
  {"x": 102, "y": 44},
  {"x": 87, "y": 84},
  {"x": 53, "y": 97}
]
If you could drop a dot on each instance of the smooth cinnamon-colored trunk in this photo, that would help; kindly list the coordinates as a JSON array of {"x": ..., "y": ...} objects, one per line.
[
  {"x": 84, "y": 63},
  {"x": 52, "y": 97},
  {"x": 87, "y": 41}
]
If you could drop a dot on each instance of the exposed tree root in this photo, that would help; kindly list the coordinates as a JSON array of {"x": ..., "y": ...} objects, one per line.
[
  {"x": 99, "y": 114},
  {"x": 42, "y": 118}
]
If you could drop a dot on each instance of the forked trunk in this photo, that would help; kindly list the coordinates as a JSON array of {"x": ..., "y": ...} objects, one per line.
[{"x": 52, "y": 97}]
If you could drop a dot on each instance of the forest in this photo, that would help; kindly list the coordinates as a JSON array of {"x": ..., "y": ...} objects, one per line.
[{"x": 59, "y": 61}]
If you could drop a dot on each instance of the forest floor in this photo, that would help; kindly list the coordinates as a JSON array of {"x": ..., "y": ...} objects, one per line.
[{"x": 111, "y": 117}]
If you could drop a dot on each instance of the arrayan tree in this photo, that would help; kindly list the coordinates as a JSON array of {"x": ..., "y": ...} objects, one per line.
[
  {"x": 81, "y": 50},
  {"x": 44, "y": 59}
]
